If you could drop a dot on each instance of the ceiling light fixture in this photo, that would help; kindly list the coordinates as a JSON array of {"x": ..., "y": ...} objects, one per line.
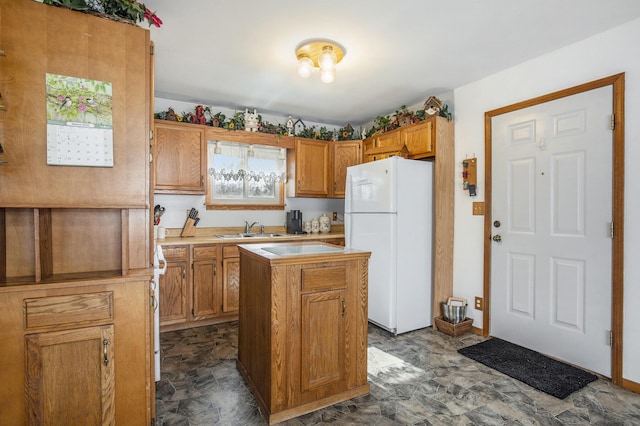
[{"x": 319, "y": 53}]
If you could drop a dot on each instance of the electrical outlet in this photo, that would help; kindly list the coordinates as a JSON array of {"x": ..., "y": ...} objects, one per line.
[
  {"x": 335, "y": 216},
  {"x": 478, "y": 208},
  {"x": 478, "y": 303}
]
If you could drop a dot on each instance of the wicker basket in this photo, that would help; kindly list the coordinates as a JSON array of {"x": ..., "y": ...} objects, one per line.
[{"x": 453, "y": 329}]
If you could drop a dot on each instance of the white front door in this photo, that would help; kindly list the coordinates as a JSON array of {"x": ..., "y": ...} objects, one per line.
[{"x": 551, "y": 209}]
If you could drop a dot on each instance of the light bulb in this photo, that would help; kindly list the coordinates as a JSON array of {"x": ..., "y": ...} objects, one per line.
[
  {"x": 305, "y": 66},
  {"x": 327, "y": 76},
  {"x": 327, "y": 59}
]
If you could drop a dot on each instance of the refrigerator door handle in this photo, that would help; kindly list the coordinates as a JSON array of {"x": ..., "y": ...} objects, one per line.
[{"x": 348, "y": 192}]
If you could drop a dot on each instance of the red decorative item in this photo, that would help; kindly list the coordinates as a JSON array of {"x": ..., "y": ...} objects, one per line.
[{"x": 198, "y": 117}]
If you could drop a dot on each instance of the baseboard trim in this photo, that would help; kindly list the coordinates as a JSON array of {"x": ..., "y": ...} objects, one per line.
[
  {"x": 630, "y": 385},
  {"x": 477, "y": 331}
]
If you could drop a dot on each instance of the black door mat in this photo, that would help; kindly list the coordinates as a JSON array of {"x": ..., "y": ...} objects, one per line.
[{"x": 536, "y": 370}]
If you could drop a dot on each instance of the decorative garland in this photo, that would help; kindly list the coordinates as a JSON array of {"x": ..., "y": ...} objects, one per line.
[{"x": 205, "y": 116}]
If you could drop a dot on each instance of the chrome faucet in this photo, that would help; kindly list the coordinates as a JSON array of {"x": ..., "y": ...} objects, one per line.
[{"x": 247, "y": 226}]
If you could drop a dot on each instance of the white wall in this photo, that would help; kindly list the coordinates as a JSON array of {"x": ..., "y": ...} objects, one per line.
[
  {"x": 609, "y": 53},
  {"x": 177, "y": 205}
]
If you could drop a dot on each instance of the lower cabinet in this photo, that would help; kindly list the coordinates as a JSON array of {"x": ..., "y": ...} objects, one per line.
[
  {"x": 77, "y": 353},
  {"x": 205, "y": 302},
  {"x": 231, "y": 279},
  {"x": 174, "y": 286},
  {"x": 80, "y": 362}
]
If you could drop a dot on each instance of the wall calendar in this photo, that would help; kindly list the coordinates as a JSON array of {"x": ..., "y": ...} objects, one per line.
[{"x": 79, "y": 122}]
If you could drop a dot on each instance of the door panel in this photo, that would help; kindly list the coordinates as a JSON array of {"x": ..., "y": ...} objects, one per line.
[{"x": 552, "y": 194}]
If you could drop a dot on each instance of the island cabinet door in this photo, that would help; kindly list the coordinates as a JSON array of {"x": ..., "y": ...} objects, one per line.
[{"x": 322, "y": 340}]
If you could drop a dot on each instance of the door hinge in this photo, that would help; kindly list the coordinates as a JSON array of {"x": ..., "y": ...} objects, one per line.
[
  {"x": 610, "y": 338},
  {"x": 613, "y": 121},
  {"x": 151, "y": 49},
  {"x": 611, "y": 234},
  {"x": 150, "y": 135}
]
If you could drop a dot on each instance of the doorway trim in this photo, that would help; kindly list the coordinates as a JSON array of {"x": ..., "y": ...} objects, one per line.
[{"x": 617, "y": 261}]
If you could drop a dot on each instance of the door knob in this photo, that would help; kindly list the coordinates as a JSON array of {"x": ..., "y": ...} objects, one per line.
[{"x": 497, "y": 238}]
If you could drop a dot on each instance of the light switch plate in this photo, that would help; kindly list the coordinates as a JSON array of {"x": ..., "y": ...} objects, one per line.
[{"x": 478, "y": 208}]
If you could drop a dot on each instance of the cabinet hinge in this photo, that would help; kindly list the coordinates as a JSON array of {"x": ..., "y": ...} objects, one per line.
[
  {"x": 611, "y": 233},
  {"x": 151, "y": 49},
  {"x": 613, "y": 121}
]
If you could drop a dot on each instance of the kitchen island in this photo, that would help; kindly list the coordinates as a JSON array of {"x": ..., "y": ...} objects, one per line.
[{"x": 302, "y": 341}]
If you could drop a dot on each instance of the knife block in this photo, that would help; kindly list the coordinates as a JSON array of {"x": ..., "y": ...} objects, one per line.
[{"x": 188, "y": 230}]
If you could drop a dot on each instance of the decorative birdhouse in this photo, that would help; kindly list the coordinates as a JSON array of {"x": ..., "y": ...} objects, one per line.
[
  {"x": 404, "y": 119},
  {"x": 171, "y": 115},
  {"x": 298, "y": 127},
  {"x": 432, "y": 106}
]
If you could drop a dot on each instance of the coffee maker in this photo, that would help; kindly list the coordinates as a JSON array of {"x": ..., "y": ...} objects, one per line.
[{"x": 294, "y": 222}]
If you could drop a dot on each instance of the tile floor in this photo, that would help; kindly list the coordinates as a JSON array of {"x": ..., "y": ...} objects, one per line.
[{"x": 417, "y": 378}]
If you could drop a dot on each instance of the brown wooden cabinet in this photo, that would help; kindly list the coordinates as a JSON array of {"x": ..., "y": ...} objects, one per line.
[
  {"x": 415, "y": 141},
  {"x": 174, "y": 286},
  {"x": 345, "y": 154},
  {"x": 70, "y": 376},
  {"x": 180, "y": 158},
  {"x": 206, "y": 301},
  {"x": 57, "y": 367},
  {"x": 309, "y": 167},
  {"x": 319, "y": 168},
  {"x": 192, "y": 291},
  {"x": 230, "y": 279},
  {"x": 75, "y": 245},
  {"x": 320, "y": 357}
]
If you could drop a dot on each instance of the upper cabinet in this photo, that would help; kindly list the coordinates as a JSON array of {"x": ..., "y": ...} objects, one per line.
[
  {"x": 97, "y": 50},
  {"x": 309, "y": 168},
  {"x": 414, "y": 141},
  {"x": 319, "y": 168},
  {"x": 180, "y": 158},
  {"x": 345, "y": 154}
]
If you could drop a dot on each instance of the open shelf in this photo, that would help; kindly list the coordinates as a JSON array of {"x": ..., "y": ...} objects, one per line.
[{"x": 55, "y": 245}]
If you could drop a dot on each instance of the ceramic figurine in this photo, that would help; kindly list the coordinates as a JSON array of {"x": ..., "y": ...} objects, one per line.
[{"x": 250, "y": 121}]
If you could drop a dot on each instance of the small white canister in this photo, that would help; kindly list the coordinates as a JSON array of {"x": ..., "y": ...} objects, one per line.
[
  {"x": 162, "y": 232},
  {"x": 325, "y": 224},
  {"x": 306, "y": 227},
  {"x": 315, "y": 226}
]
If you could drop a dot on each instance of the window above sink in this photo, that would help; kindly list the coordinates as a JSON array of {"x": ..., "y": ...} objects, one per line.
[{"x": 242, "y": 176}]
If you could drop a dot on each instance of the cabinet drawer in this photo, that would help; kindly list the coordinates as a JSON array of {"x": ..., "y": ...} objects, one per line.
[
  {"x": 324, "y": 277},
  {"x": 73, "y": 309},
  {"x": 175, "y": 252},
  {"x": 205, "y": 252},
  {"x": 230, "y": 251}
]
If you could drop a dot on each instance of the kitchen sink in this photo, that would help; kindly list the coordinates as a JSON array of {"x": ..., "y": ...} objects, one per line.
[{"x": 251, "y": 235}]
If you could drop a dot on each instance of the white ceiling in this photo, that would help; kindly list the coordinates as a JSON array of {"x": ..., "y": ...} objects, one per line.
[{"x": 240, "y": 53}]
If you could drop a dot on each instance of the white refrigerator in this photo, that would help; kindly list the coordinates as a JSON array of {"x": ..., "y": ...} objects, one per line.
[{"x": 389, "y": 212}]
